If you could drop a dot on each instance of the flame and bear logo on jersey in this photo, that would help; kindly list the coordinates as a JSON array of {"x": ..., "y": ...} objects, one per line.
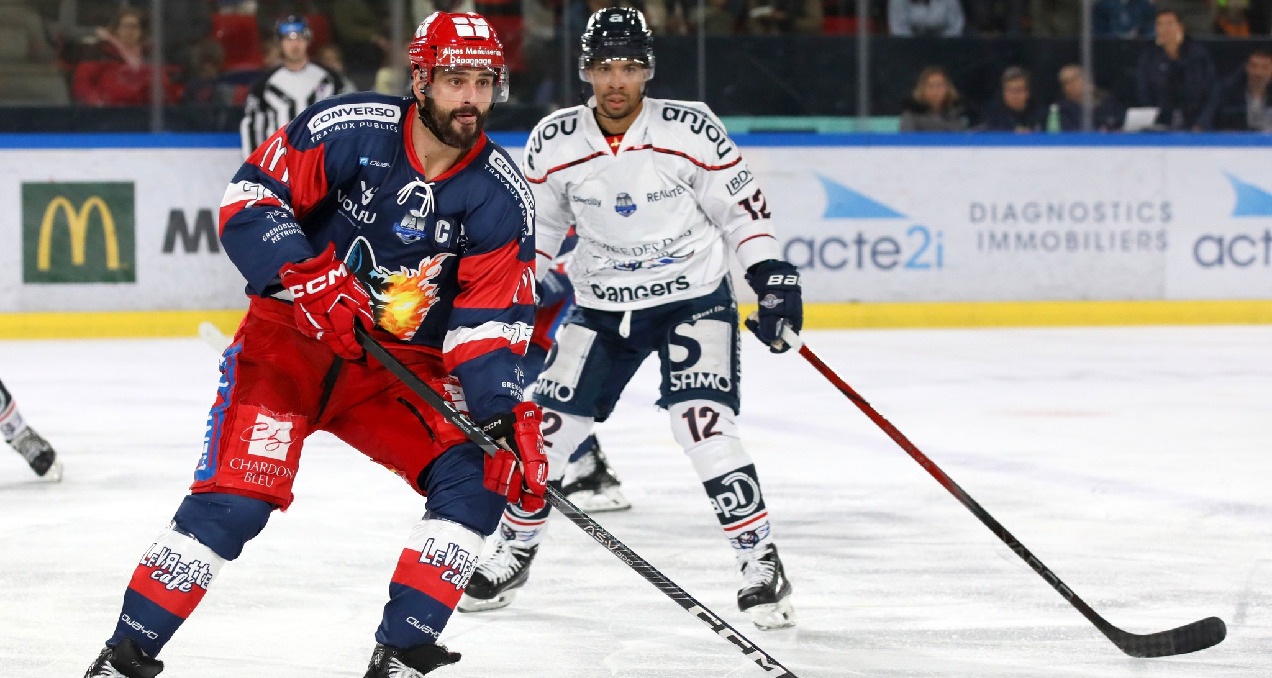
[{"x": 400, "y": 299}]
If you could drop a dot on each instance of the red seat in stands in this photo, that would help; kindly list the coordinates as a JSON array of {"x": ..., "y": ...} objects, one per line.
[{"x": 240, "y": 38}]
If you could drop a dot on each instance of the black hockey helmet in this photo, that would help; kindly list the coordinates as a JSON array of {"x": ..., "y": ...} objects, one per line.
[{"x": 617, "y": 33}]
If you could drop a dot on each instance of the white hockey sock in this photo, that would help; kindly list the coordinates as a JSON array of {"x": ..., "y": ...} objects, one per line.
[
  {"x": 524, "y": 530},
  {"x": 563, "y": 433},
  {"x": 11, "y": 423},
  {"x": 708, "y": 433}
]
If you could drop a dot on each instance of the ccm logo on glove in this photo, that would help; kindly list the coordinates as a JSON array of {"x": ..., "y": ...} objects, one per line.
[
  {"x": 327, "y": 301},
  {"x": 319, "y": 284}
]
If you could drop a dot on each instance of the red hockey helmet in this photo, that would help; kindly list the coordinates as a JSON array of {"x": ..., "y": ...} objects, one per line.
[{"x": 460, "y": 40}]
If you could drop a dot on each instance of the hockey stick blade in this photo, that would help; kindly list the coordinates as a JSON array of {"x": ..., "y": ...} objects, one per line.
[
  {"x": 576, "y": 515},
  {"x": 1198, "y": 635}
]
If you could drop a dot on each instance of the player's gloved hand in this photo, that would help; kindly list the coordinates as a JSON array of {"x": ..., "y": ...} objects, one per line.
[
  {"x": 554, "y": 288},
  {"x": 327, "y": 301},
  {"x": 518, "y": 431},
  {"x": 776, "y": 284}
]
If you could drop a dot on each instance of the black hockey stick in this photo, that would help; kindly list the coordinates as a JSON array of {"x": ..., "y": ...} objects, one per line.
[
  {"x": 574, "y": 513},
  {"x": 1198, "y": 635}
]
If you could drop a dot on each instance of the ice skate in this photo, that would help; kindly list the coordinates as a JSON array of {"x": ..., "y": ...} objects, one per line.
[
  {"x": 390, "y": 662},
  {"x": 125, "y": 660},
  {"x": 495, "y": 582},
  {"x": 765, "y": 592},
  {"x": 591, "y": 484},
  {"x": 38, "y": 453},
  {"x": 394, "y": 663}
]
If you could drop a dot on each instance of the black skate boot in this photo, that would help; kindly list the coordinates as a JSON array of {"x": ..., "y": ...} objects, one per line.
[
  {"x": 591, "y": 484},
  {"x": 390, "y": 662},
  {"x": 765, "y": 592},
  {"x": 38, "y": 453},
  {"x": 125, "y": 660},
  {"x": 495, "y": 582}
]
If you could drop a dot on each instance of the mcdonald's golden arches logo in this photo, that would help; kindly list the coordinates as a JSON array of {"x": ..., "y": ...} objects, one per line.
[{"x": 78, "y": 233}]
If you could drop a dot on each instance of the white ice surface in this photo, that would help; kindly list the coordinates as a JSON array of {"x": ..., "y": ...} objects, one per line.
[{"x": 1135, "y": 463}]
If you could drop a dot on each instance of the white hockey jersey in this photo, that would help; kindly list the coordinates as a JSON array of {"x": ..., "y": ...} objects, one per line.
[{"x": 657, "y": 221}]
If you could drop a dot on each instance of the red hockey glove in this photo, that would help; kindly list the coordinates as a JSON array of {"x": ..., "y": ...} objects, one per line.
[
  {"x": 328, "y": 301},
  {"x": 519, "y": 432}
]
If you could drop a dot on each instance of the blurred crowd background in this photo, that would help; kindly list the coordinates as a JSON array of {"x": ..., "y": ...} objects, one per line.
[{"x": 829, "y": 65}]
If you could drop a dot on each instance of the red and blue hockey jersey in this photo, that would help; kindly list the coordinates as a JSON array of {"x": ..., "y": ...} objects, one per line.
[{"x": 448, "y": 260}]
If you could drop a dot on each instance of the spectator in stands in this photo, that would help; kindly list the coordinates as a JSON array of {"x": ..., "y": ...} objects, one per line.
[
  {"x": 724, "y": 17},
  {"x": 361, "y": 29},
  {"x": 395, "y": 78},
  {"x": 1244, "y": 102},
  {"x": 330, "y": 56},
  {"x": 934, "y": 106},
  {"x": 1175, "y": 75},
  {"x": 25, "y": 40},
  {"x": 995, "y": 17},
  {"x": 207, "y": 85},
  {"x": 1106, "y": 115},
  {"x": 941, "y": 18},
  {"x": 1123, "y": 19},
  {"x": 185, "y": 24},
  {"x": 1015, "y": 110},
  {"x": 28, "y": 74},
  {"x": 1232, "y": 18},
  {"x": 784, "y": 17},
  {"x": 1055, "y": 18},
  {"x": 1196, "y": 16},
  {"x": 119, "y": 73}
]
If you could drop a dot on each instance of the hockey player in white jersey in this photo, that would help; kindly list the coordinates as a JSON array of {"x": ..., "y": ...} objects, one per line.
[
  {"x": 37, "y": 451},
  {"x": 661, "y": 200}
]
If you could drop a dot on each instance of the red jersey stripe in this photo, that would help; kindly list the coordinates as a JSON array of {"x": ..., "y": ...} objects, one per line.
[
  {"x": 175, "y": 601},
  {"x": 686, "y": 156},
  {"x": 495, "y": 279},
  {"x": 739, "y": 526},
  {"x": 558, "y": 168},
  {"x": 472, "y": 349},
  {"x": 308, "y": 178},
  {"x": 431, "y": 580}
]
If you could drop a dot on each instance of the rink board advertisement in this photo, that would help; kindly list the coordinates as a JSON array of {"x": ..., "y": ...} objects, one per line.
[
  {"x": 107, "y": 229},
  {"x": 944, "y": 223},
  {"x": 135, "y": 229}
]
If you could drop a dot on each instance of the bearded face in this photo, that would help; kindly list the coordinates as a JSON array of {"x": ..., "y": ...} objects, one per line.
[
  {"x": 455, "y": 105},
  {"x": 457, "y": 127}
]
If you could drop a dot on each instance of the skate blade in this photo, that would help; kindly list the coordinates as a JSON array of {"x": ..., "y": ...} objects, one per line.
[
  {"x": 54, "y": 474},
  {"x": 779, "y": 615},
  {"x": 607, "y": 499},
  {"x": 468, "y": 603}
]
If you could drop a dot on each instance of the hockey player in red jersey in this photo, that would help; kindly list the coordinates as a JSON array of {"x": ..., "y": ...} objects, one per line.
[
  {"x": 661, "y": 199},
  {"x": 400, "y": 215}
]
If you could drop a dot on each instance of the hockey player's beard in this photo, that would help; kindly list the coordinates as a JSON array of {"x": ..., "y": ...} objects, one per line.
[{"x": 440, "y": 123}]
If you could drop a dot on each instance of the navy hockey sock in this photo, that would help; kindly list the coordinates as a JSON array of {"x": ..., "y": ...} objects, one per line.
[{"x": 175, "y": 572}]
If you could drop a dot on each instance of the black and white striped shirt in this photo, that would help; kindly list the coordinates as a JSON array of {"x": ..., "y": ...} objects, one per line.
[{"x": 280, "y": 94}]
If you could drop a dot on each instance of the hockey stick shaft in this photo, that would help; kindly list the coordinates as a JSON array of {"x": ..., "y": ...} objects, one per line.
[
  {"x": 1198, "y": 635},
  {"x": 575, "y": 514}
]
